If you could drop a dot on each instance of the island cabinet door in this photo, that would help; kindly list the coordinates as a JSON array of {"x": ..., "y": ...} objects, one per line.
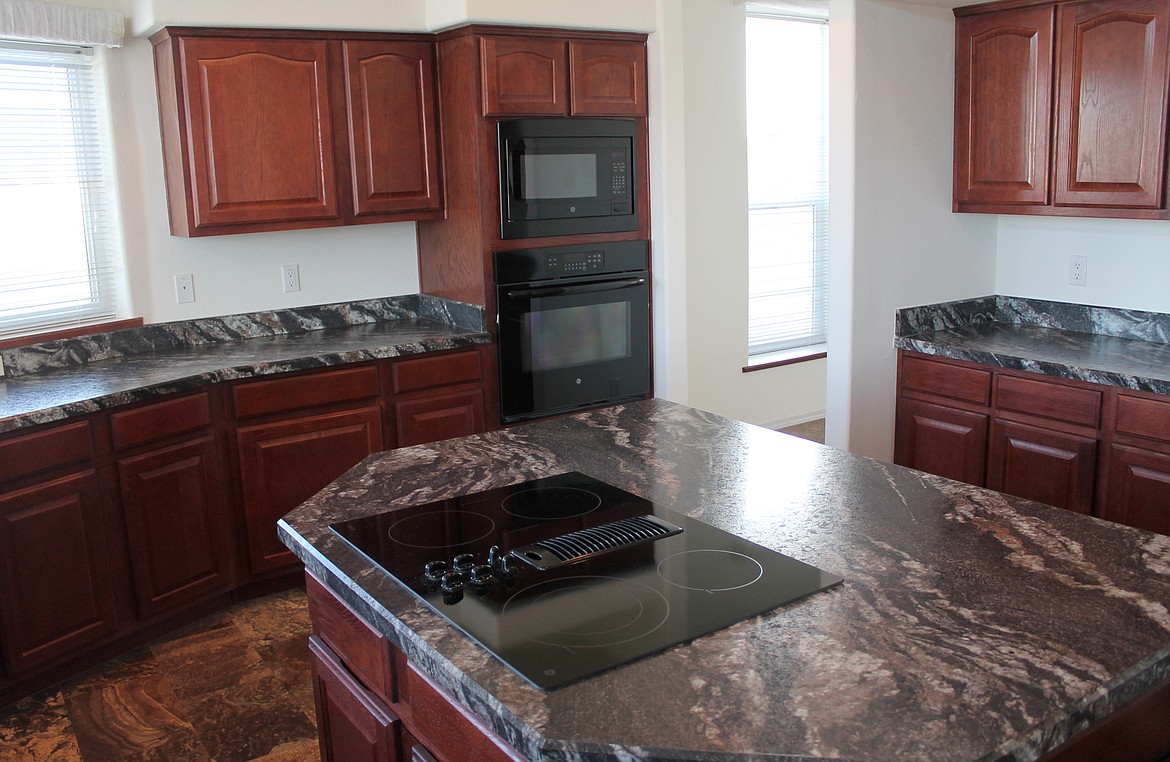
[
  {"x": 284, "y": 463},
  {"x": 352, "y": 724},
  {"x": 941, "y": 440},
  {"x": 56, "y": 593},
  {"x": 1046, "y": 465}
]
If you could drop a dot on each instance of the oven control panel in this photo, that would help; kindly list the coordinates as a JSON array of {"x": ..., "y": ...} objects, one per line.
[
  {"x": 554, "y": 262},
  {"x": 576, "y": 263}
]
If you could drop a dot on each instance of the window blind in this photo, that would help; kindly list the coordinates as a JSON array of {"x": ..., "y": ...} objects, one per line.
[
  {"x": 788, "y": 210},
  {"x": 56, "y": 264}
]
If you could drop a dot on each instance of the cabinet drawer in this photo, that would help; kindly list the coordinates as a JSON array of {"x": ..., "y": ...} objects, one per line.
[
  {"x": 311, "y": 390},
  {"x": 944, "y": 380},
  {"x": 30, "y": 453},
  {"x": 1143, "y": 417},
  {"x": 1048, "y": 400},
  {"x": 447, "y": 729},
  {"x": 442, "y": 370},
  {"x": 161, "y": 420},
  {"x": 365, "y": 651}
]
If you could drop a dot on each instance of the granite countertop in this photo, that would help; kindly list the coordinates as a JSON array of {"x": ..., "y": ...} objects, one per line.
[
  {"x": 970, "y": 626},
  {"x": 57, "y": 380},
  {"x": 1100, "y": 345}
]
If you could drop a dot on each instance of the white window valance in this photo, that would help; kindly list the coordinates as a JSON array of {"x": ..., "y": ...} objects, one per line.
[
  {"x": 817, "y": 9},
  {"x": 50, "y": 22}
]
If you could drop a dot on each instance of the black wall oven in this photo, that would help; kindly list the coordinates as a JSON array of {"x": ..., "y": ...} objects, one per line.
[{"x": 574, "y": 327}]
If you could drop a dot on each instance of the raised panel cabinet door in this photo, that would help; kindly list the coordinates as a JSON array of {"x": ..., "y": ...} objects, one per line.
[
  {"x": 390, "y": 103},
  {"x": 56, "y": 595},
  {"x": 176, "y": 523},
  {"x": 1138, "y": 489},
  {"x": 352, "y": 724},
  {"x": 941, "y": 440},
  {"x": 1003, "y": 110},
  {"x": 1052, "y": 467},
  {"x": 1111, "y": 130},
  {"x": 524, "y": 75},
  {"x": 283, "y": 464},
  {"x": 261, "y": 141},
  {"x": 438, "y": 417},
  {"x": 607, "y": 79}
]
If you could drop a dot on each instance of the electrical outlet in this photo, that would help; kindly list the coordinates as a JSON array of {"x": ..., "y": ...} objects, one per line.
[
  {"x": 290, "y": 276},
  {"x": 1078, "y": 270},
  {"x": 184, "y": 288}
]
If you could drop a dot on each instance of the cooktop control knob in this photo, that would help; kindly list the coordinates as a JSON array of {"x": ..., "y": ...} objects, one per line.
[
  {"x": 481, "y": 574},
  {"x": 452, "y": 582},
  {"x": 434, "y": 570},
  {"x": 463, "y": 562}
]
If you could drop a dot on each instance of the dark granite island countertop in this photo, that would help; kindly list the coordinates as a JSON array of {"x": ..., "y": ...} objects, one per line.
[
  {"x": 57, "y": 380},
  {"x": 971, "y": 625}
]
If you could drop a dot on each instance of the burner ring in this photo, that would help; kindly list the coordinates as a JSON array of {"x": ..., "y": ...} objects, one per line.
[
  {"x": 639, "y": 610},
  {"x": 435, "y": 525},
  {"x": 564, "y": 502},
  {"x": 705, "y": 571}
]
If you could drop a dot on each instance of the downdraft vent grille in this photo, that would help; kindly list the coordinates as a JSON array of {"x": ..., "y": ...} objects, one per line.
[{"x": 577, "y": 546}]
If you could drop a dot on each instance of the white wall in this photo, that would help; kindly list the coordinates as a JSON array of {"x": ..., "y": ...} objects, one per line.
[
  {"x": 1129, "y": 260},
  {"x": 700, "y": 222},
  {"x": 892, "y": 68}
]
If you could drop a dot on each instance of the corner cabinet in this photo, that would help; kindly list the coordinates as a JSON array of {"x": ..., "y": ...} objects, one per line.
[
  {"x": 1088, "y": 448},
  {"x": 278, "y": 130},
  {"x": 1061, "y": 108}
]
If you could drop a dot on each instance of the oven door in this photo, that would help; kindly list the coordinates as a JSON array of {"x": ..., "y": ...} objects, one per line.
[{"x": 573, "y": 343}]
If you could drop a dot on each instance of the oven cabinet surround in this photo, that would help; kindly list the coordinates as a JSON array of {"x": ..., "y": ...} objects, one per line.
[
  {"x": 1061, "y": 108},
  {"x": 1085, "y": 447},
  {"x": 986, "y": 586},
  {"x": 283, "y": 129},
  {"x": 491, "y": 73},
  {"x": 118, "y": 524}
]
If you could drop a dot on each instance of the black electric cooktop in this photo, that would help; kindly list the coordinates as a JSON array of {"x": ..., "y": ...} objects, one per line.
[{"x": 566, "y": 576}]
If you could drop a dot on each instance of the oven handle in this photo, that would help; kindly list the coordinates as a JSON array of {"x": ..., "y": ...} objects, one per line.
[{"x": 584, "y": 288}]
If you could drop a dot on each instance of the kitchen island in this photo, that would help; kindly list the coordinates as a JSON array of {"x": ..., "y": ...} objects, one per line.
[{"x": 970, "y": 625}]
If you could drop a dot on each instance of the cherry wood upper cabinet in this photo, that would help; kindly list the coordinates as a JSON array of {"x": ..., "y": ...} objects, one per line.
[
  {"x": 280, "y": 129},
  {"x": 1111, "y": 132},
  {"x": 260, "y": 137},
  {"x": 524, "y": 75},
  {"x": 390, "y": 107},
  {"x": 1003, "y": 117},
  {"x": 607, "y": 78},
  {"x": 1060, "y": 108},
  {"x": 543, "y": 76}
]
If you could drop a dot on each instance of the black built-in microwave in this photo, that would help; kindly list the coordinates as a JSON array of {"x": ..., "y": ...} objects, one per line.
[{"x": 567, "y": 176}]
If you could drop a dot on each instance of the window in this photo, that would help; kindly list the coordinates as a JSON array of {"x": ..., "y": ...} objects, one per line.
[
  {"x": 56, "y": 262},
  {"x": 788, "y": 202}
]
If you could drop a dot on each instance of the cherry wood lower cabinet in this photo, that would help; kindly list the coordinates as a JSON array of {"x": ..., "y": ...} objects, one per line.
[
  {"x": 56, "y": 587},
  {"x": 118, "y": 525},
  {"x": 371, "y": 681},
  {"x": 284, "y": 463},
  {"x": 1084, "y": 447}
]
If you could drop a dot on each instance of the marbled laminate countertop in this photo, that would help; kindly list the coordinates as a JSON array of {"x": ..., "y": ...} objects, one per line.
[
  {"x": 57, "y": 380},
  {"x": 971, "y": 625},
  {"x": 1102, "y": 345}
]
